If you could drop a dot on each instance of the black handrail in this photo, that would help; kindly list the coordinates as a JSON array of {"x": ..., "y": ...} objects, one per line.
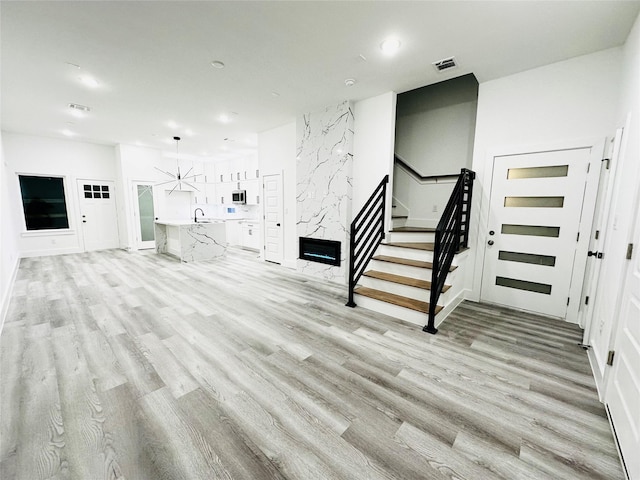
[
  {"x": 367, "y": 231},
  {"x": 452, "y": 235}
]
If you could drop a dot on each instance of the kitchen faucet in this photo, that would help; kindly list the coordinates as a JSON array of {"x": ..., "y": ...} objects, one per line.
[{"x": 195, "y": 216}]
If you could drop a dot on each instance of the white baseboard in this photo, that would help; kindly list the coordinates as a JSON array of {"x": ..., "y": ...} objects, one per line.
[
  {"x": 6, "y": 297},
  {"x": 450, "y": 306},
  {"x": 46, "y": 253}
]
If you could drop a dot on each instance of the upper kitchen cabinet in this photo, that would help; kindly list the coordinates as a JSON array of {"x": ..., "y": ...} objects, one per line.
[{"x": 237, "y": 170}]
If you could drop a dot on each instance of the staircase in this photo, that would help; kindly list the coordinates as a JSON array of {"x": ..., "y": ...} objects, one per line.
[
  {"x": 397, "y": 280},
  {"x": 412, "y": 273}
]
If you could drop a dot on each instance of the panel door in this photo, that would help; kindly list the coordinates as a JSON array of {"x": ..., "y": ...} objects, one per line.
[
  {"x": 98, "y": 214},
  {"x": 623, "y": 390},
  {"x": 534, "y": 219},
  {"x": 273, "y": 241},
  {"x": 144, "y": 209}
]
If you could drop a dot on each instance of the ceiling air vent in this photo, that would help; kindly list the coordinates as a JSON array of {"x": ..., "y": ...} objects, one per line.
[
  {"x": 81, "y": 108},
  {"x": 445, "y": 64}
]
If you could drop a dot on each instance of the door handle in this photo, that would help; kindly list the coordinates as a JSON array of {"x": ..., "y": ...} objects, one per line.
[
  {"x": 84, "y": 221},
  {"x": 277, "y": 224},
  {"x": 490, "y": 242}
]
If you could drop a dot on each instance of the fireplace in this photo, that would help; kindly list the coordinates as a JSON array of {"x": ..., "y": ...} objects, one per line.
[{"x": 321, "y": 251}]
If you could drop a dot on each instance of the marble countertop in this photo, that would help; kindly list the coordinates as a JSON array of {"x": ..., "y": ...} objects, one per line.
[{"x": 179, "y": 223}]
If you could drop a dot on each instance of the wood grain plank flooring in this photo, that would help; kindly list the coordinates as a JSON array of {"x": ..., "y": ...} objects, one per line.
[{"x": 118, "y": 365}]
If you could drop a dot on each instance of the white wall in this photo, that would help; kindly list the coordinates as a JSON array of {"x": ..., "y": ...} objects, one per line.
[
  {"x": 573, "y": 99},
  {"x": 26, "y": 154},
  {"x": 277, "y": 154},
  {"x": 436, "y": 125},
  {"x": 425, "y": 200},
  {"x": 9, "y": 254},
  {"x": 373, "y": 146}
]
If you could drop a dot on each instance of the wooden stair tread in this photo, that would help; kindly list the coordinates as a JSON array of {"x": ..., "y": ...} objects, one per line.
[
  {"x": 401, "y": 279},
  {"x": 394, "y": 299},
  {"x": 428, "y": 246},
  {"x": 408, "y": 261},
  {"x": 414, "y": 229}
]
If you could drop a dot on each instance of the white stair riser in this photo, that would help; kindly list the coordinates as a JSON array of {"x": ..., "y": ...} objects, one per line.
[
  {"x": 398, "y": 222},
  {"x": 410, "y": 253},
  {"x": 423, "y": 237},
  {"x": 406, "y": 270},
  {"x": 400, "y": 289},
  {"x": 406, "y": 314}
]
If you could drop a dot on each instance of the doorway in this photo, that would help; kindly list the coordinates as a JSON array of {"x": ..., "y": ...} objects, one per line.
[
  {"x": 144, "y": 211},
  {"x": 99, "y": 217},
  {"x": 540, "y": 215},
  {"x": 273, "y": 238}
]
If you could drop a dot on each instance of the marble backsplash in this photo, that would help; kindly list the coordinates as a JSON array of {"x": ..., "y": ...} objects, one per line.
[{"x": 324, "y": 165}]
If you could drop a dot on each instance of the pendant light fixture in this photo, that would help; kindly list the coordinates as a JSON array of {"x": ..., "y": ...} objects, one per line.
[{"x": 178, "y": 178}]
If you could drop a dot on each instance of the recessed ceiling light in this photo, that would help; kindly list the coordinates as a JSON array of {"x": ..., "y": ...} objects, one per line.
[
  {"x": 188, "y": 132},
  {"x": 390, "y": 46},
  {"x": 68, "y": 133},
  {"x": 89, "y": 81},
  {"x": 224, "y": 118},
  {"x": 217, "y": 64},
  {"x": 172, "y": 124},
  {"x": 275, "y": 94},
  {"x": 350, "y": 82}
]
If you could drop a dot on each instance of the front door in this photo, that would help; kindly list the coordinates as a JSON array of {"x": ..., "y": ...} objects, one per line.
[
  {"x": 273, "y": 248},
  {"x": 98, "y": 214},
  {"x": 535, "y": 213}
]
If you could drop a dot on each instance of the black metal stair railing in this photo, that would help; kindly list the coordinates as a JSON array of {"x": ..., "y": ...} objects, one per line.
[
  {"x": 367, "y": 231},
  {"x": 451, "y": 236}
]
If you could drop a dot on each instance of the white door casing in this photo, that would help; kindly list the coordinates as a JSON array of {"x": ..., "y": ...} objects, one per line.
[
  {"x": 98, "y": 212},
  {"x": 540, "y": 201},
  {"x": 598, "y": 236},
  {"x": 273, "y": 218}
]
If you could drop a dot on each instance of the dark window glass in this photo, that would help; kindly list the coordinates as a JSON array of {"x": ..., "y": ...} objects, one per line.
[
  {"x": 105, "y": 195},
  {"x": 43, "y": 202},
  {"x": 96, "y": 188},
  {"x": 87, "y": 194},
  {"x": 87, "y": 188},
  {"x": 96, "y": 195},
  {"x": 105, "y": 188}
]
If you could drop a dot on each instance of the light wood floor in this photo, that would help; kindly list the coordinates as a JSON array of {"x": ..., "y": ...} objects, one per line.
[{"x": 119, "y": 365}]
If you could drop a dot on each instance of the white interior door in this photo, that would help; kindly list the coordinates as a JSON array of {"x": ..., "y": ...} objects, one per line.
[
  {"x": 273, "y": 240},
  {"x": 623, "y": 385},
  {"x": 532, "y": 231},
  {"x": 144, "y": 211},
  {"x": 99, "y": 217}
]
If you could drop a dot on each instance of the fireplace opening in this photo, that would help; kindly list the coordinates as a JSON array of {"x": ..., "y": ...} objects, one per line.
[{"x": 321, "y": 251}]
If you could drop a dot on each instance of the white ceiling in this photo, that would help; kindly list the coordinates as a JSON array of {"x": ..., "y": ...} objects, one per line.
[{"x": 152, "y": 60}]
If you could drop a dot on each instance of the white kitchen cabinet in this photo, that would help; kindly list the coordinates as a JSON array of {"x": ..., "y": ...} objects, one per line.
[
  {"x": 252, "y": 188},
  {"x": 250, "y": 235},
  {"x": 233, "y": 232}
]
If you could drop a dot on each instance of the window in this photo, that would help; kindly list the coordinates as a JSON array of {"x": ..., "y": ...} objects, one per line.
[
  {"x": 43, "y": 202},
  {"x": 96, "y": 191}
]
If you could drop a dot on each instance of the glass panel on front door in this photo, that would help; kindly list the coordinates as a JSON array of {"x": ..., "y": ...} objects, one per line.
[{"x": 147, "y": 218}]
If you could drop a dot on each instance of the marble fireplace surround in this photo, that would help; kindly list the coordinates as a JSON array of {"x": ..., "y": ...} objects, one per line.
[{"x": 324, "y": 171}]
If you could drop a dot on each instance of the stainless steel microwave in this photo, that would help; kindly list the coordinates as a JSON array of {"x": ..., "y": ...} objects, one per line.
[{"x": 239, "y": 196}]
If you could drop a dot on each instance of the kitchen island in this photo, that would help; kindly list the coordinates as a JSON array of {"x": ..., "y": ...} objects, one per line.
[{"x": 191, "y": 241}]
